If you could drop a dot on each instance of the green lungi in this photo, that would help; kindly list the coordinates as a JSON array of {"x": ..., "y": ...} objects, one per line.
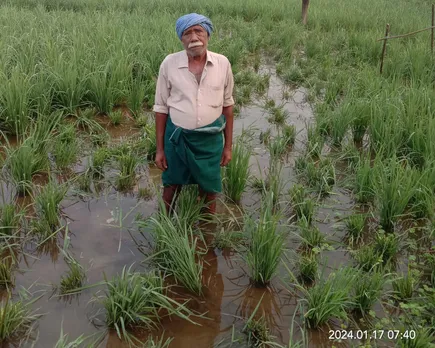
[{"x": 194, "y": 155}]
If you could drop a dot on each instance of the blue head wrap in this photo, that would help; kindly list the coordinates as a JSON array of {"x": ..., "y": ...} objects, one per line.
[{"x": 190, "y": 20}]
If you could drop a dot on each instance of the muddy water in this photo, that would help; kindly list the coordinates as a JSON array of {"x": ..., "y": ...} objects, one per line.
[{"x": 100, "y": 229}]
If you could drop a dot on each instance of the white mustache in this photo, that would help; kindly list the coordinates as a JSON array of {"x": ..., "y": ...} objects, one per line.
[{"x": 195, "y": 44}]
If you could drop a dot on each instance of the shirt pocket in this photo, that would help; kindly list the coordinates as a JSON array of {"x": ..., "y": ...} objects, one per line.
[{"x": 214, "y": 95}]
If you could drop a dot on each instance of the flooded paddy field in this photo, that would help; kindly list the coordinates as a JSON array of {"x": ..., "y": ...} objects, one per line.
[{"x": 325, "y": 232}]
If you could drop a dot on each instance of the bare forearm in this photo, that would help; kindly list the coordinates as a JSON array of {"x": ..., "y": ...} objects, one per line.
[
  {"x": 160, "y": 130},
  {"x": 228, "y": 132}
]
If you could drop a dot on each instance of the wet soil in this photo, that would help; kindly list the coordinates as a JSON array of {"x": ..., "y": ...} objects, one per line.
[{"x": 101, "y": 229}]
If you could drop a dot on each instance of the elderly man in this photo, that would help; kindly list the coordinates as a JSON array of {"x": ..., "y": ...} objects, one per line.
[{"x": 194, "y": 106}]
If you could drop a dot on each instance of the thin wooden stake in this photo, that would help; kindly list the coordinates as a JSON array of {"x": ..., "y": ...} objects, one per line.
[
  {"x": 433, "y": 24},
  {"x": 384, "y": 48}
]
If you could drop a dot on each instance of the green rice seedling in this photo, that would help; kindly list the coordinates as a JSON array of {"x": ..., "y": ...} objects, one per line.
[
  {"x": 47, "y": 203},
  {"x": 236, "y": 173},
  {"x": 354, "y": 225},
  {"x": 15, "y": 93},
  {"x": 315, "y": 142},
  {"x": 9, "y": 220},
  {"x": 394, "y": 186},
  {"x": 74, "y": 278},
  {"x": 386, "y": 245},
  {"x": 301, "y": 164},
  {"x": 367, "y": 290},
  {"x": 100, "y": 138},
  {"x": 405, "y": 285},
  {"x": 269, "y": 104},
  {"x": 227, "y": 239},
  {"x": 260, "y": 185},
  {"x": 99, "y": 158},
  {"x": 134, "y": 300},
  {"x": 6, "y": 275},
  {"x": 258, "y": 333},
  {"x": 17, "y": 320},
  {"x": 160, "y": 343},
  {"x": 360, "y": 120},
  {"x": 266, "y": 243},
  {"x": 320, "y": 177},
  {"x": 116, "y": 117},
  {"x": 422, "y": 202},
  {"x": 278, "y": 115},
  {"x": 308, "y": 267},
  {"x": 22, "y": 162},
  {"x": 339, "y": 127},
  {"x": 305, "y": 210},
  {"x": 187, "y": 206},
  {"x": 363, "y": 186},
  {"x": 84, "y": 181},
  {"x": 175, "y": 250},
  {"x": 265, "y": 137},
  {"x": 65, "y": 150},
  {"x": 289, "y": 134},
  {"x": 145, "y": 193},
  {"x": 274, "y": 180},
  {"x": 151, "y": 140},
  {"x": 297, "y": 194},
  {"x": 277, "y": 147},
  {"x": 142, "y": 120},
  {"x": 424, "y": 338},
  {"x": 128, "y": 164},
  {"x": 85, "y": 120},
  {"x": 367, "y": 258},
  {"x": 62, "y": 342},
  {"x": 351, "y": 155},
  {"x": 328, "y": 299},
  {"x": 310, "y": 236}
]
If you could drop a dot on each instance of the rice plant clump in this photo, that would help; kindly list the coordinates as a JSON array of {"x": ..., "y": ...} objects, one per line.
[
  {"x": 368, "y": 258},
  {"x": 386, "y": 245},
  {"x": 99, "y": 158},
  {"x": 236, "y": 173},
  {"x": 187, "y": 207},
  {"x": 73, "y": 279},
  {"x": 266, "y": 243},
  {"x": 228, "y": 239},
  {"x": 315, "y": 142},
  {"x": 257, "y": 332},
  {"x": 175, "y": 250},
  {"x": 310, "y": 235},
  {"x": 127, "y": 166},
  {"x": 116, "y": 117},
  {"x": 289, "y": 134},
  {"x": 367, "y": 290},
  {"x": 9, "y": 220},
  {"x": 133, "y": 300},
  {"x": 150, "y": 136},
  {"x": 65, "y": 146},
  {"x": 17, "y": 320},
  {"x": 308, "y": 267},
  {"x": 405, "y": 285},
  {"x": 6, "y": 275},
  {"x": 48, "y": 203},
  {"x": 329, "y": 299},
  {"x": 355, "y": 227},
  {"x": 363, "y": 186},
  {"x": 278, "y": 115},
  {"x": 394, "y": 187}
]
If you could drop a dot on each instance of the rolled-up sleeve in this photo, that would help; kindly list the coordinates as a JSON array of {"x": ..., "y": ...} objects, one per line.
[
  {"x": 162, "y": 90},
  {"x": 229, "y": 86}
]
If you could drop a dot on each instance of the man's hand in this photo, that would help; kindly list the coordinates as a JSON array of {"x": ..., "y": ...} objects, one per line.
[
  {"x": 161, "y": 160},
  {"x": 226, "y": 157}
]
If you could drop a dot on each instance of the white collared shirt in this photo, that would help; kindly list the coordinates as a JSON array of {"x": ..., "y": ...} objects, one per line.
[{"x": 192, "y": 105}]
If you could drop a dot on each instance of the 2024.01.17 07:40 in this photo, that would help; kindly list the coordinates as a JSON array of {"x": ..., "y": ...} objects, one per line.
[{"x": 373, "y": 334}]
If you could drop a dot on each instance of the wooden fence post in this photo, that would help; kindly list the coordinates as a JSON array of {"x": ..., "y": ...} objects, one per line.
[
  {"x": 384, "y": 48},
  {"x": 305, "y": 4}
]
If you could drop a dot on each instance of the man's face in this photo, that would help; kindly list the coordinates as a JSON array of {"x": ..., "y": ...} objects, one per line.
[{"x": 195, "y": 40}]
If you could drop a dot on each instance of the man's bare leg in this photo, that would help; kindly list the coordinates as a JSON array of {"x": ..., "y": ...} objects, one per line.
[
  {"x": 209, "y": 201},
  {"x": 170, "y": 194}
]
